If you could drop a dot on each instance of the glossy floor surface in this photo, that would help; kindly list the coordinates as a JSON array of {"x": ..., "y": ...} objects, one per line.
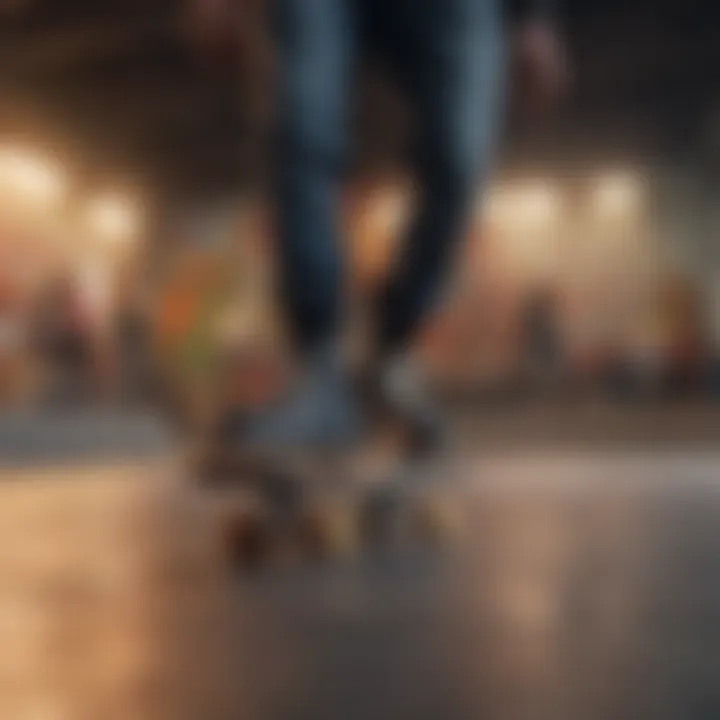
[{"x": 586, "y": 587}]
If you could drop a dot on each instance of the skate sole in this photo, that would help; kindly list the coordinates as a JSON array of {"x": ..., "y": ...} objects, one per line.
[{"x": 291, "y": 514}]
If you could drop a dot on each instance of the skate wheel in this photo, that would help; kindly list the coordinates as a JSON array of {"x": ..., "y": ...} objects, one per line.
[
  {"x": 247, "y": 539},
  {"x": 383, "y": 519},
  {"x": 211, "y": 467},
  {"x": 437, "y": 520},
  {"x": 329, "y": 530}
]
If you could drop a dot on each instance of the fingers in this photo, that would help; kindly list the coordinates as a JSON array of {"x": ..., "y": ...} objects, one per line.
[
  {"x": 541, "y": 65},
  {"x": 213, "y": 26}
]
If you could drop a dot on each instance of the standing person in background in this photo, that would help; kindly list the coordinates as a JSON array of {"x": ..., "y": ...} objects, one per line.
[
  {"x": 11, "y": 343},
  {"x": 448, "y": 56},
  {"x": 542, "y": 342},
  {"x": 63, "y": 338},
  {"x": 134, "y": 349}
]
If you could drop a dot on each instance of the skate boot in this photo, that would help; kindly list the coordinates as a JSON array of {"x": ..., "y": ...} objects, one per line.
[
  {"x": 320, "y": 412},
  {"x": 398, "y": 390}
]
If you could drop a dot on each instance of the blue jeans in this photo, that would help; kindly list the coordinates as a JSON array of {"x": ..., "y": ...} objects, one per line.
[{"x": 448, "y": 58}]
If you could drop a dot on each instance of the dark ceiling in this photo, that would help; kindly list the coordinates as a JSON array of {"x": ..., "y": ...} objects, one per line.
[{"x": 115, "y": 83}]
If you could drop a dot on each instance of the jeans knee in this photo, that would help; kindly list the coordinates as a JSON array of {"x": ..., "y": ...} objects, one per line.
[
  {"x": 309, "y": 138},
  {"x": 451, "y": 170}
]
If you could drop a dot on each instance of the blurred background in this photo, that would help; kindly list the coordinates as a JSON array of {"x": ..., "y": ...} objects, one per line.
[
  {"x": 582, "y": 336},
  {"x": 136, "y": 236}
]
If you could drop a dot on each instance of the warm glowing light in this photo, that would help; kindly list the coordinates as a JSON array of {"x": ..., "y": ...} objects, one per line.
[
  {"x": 389, "y": 209},
  {"x": 617, "y": 196},
  {"x": 532, "y": 206},
  {"x": 113, "y": 217},
  {"x": 30, "y": 177}
]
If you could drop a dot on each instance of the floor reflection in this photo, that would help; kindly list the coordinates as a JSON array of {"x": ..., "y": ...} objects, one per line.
[{"x": 591, "y": 599}]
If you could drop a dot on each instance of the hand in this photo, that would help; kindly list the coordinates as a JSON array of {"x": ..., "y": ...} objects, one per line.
[
  {"x": 214, "y": 26},
  {"x": 541, "y": 64}
]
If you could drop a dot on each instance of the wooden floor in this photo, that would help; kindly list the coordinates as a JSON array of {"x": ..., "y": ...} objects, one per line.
[{"x": 587, "y": 587}]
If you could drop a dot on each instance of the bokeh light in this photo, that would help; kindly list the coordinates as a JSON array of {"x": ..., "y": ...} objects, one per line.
[
  {"x": 113, "y": 217},
  {"x": 30, "y": 178},
  {"x": 529, "y": 205},
  {"x": 617, "y": 195}
]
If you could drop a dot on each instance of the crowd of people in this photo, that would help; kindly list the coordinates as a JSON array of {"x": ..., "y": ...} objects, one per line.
[{"x": 57, "y": 350}]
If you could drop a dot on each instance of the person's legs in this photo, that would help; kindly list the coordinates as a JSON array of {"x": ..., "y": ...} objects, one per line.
[
  {"x": 453, "y": 64},
  {"x": 316, "y": 48},
  {"x": 452, "y": 60}
]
